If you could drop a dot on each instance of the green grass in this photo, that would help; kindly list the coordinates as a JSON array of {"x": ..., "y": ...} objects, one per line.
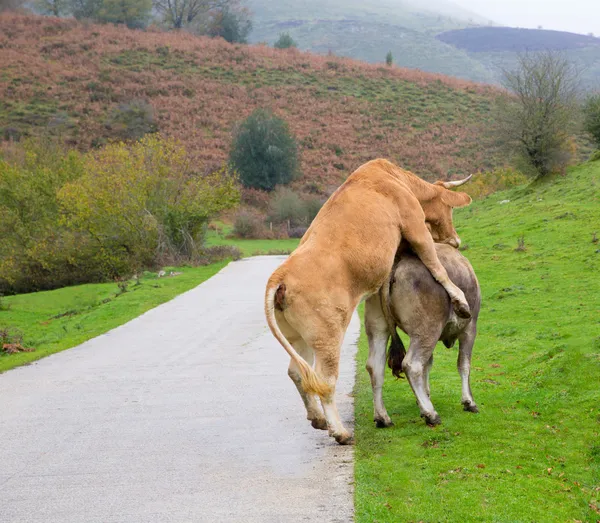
[
  {"x": 533, "y": 452},
  {"x": 56, "y": 320},
  {"x": 250, "y": 247}
]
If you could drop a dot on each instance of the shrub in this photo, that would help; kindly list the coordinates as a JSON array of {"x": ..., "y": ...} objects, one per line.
[
  {"x": 286, "y": 206},
  {"x": 132, "y": 120},
  {"x": 483, "y": 184},
  {"x": 312, "y": 207},
  {"x": 143, "y": 204},
  {"x": 234, "y": 25},
  {"x": 264, "y": 152},
  {"x": 389, "y": 59},
  {"x": 297, "y": 232},
  {"x": 247, "y": 224},
  {"x": 218, "y": 253},
  {"x": 285, "y": 41},
  {"x": 591, "y": 112},
  {"x": 37, "y": 252}
]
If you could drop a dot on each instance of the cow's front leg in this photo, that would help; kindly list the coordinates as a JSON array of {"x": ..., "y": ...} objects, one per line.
[
  {"x": 421, "y": 242},
  {"x": 378, "y": 334},
  {"x": 414, "y": 366}
]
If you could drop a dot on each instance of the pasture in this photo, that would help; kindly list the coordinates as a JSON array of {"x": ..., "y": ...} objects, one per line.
[{"x": 533, "y": 452}]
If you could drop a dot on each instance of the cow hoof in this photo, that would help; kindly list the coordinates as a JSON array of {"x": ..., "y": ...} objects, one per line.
[
  {"x": 470, "y": 407},
  {"x": 462, "y": 310},
  {"x": 344, "y": 439},
  {"x": 381, "y": 423},
  {"x": 319, "y": 423},
  {"x": 434, "y": 420}
]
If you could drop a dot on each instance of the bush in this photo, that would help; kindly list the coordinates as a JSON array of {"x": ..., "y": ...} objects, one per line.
[
  {"x": 218, "y": 253},
  {"x": 389, "y": 59},
  {"x": 143, "y": 204},
  {"x": 132, "y": 120},
  {"x": 247, "y": 224},
  {"x": 264, "y": 152},
  {"x": 66, "y": 218},
  {"x": 37, "y": 251},
  {"x": 297, "y": 232},
  {"x": 285, "y": 41},
  {"x": 591, "y": 122},
  {"x": 483, "y": 184},
  {"x": 286, "y": 206},
  {"x": 232, "y": 25}
]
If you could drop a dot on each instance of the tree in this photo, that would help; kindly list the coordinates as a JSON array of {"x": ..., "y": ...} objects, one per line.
[
  {"x": 9, "y": 5},
  {"x": 182, "y": 13},
  {"x": 285, "y": 41},
  {"x": 591, "y": 117},
  {"x": 264, "y": 152},
  {"x": 85, "y": 9},
  {"x": 536, "y": 121},
  {"x": 232, "y": 25},
  {"x": 134, "y": 13},
  {"x": 389, "y": 59},
  {"x": 53, "y": 7}
]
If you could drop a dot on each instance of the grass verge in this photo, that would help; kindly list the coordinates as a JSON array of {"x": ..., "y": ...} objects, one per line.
[
  {"x": 53, "y": 321},
  {"x": 533, "y": 452}
]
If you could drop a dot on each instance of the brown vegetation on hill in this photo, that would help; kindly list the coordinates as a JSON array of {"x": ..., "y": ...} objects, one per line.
[{"x": 67, "y": 77}]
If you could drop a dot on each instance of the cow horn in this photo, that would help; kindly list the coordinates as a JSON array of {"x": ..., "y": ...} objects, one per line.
[{"x": 457, "y": 183}]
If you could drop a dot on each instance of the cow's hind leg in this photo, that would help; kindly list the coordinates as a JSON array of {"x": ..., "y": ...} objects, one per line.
[
  {"x": 378, "y": 334},
  {"x": 314, "y": 412},
  {"x": 415, "y": 367},
  {"x": 465, "y": 349},
  {"x": 427, "y": 369},
  {"x": 327, "y": 366}
]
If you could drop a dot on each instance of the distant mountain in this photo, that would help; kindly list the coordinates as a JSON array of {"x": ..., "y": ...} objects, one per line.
[
  {"x": 368, "y": 30},
  {"x": 497, "y": 48},
  {"x": 432, "y": 35}
]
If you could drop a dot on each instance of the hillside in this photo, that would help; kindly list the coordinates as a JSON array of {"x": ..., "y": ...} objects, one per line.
[
  {"x": 368, "y": 31},
  {"x": 65, "y": 77},
  {"x": 532, "y": 453}
]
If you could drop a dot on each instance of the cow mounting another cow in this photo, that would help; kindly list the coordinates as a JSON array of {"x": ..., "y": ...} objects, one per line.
[{"x": 347, "y": 254}]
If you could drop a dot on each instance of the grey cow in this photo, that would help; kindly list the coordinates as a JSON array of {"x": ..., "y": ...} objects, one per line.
[{"x": 421, "y": 308}]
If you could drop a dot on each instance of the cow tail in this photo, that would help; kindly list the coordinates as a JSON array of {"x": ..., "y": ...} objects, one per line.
[
  {"x": 311, "y": 382},
  {"x": 396, "y": 351}
]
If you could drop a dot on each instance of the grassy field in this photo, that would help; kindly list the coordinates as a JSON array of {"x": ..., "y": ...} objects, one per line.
[
  {"x": 250, "y": 247},
  {"x": 56, "y": 320},
  {"x": 533, "y": 452}
]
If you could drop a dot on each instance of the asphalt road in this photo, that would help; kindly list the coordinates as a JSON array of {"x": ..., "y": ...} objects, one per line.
[{"x": 185, "y": 414}]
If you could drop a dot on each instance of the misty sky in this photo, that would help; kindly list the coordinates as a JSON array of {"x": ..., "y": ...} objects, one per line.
[{"x": 578, "y": 16}]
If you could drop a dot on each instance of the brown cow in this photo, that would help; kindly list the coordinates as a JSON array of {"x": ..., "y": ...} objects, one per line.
[
  {"x": 421, "y": 308},
  {"x": 346, "y": 254}
]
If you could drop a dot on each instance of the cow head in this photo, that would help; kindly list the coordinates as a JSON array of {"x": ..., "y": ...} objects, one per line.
[{"x": 438, "y": 211}]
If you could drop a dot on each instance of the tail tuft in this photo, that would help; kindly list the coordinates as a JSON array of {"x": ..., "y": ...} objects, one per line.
[
  {"x": 311, "y": 381},
  {"x": 396, "y": 355}
]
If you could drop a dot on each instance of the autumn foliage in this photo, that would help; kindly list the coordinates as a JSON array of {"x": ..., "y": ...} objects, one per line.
[
  {"x": 342, "y": 112},
  {"x": 70, "y": 218}
]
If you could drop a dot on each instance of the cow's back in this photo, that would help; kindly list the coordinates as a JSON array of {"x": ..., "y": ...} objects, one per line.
[{"x": 421, "y": 306}]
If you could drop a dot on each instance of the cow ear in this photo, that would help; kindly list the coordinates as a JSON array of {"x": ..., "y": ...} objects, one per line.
[{"x": 456, "y": 199}]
